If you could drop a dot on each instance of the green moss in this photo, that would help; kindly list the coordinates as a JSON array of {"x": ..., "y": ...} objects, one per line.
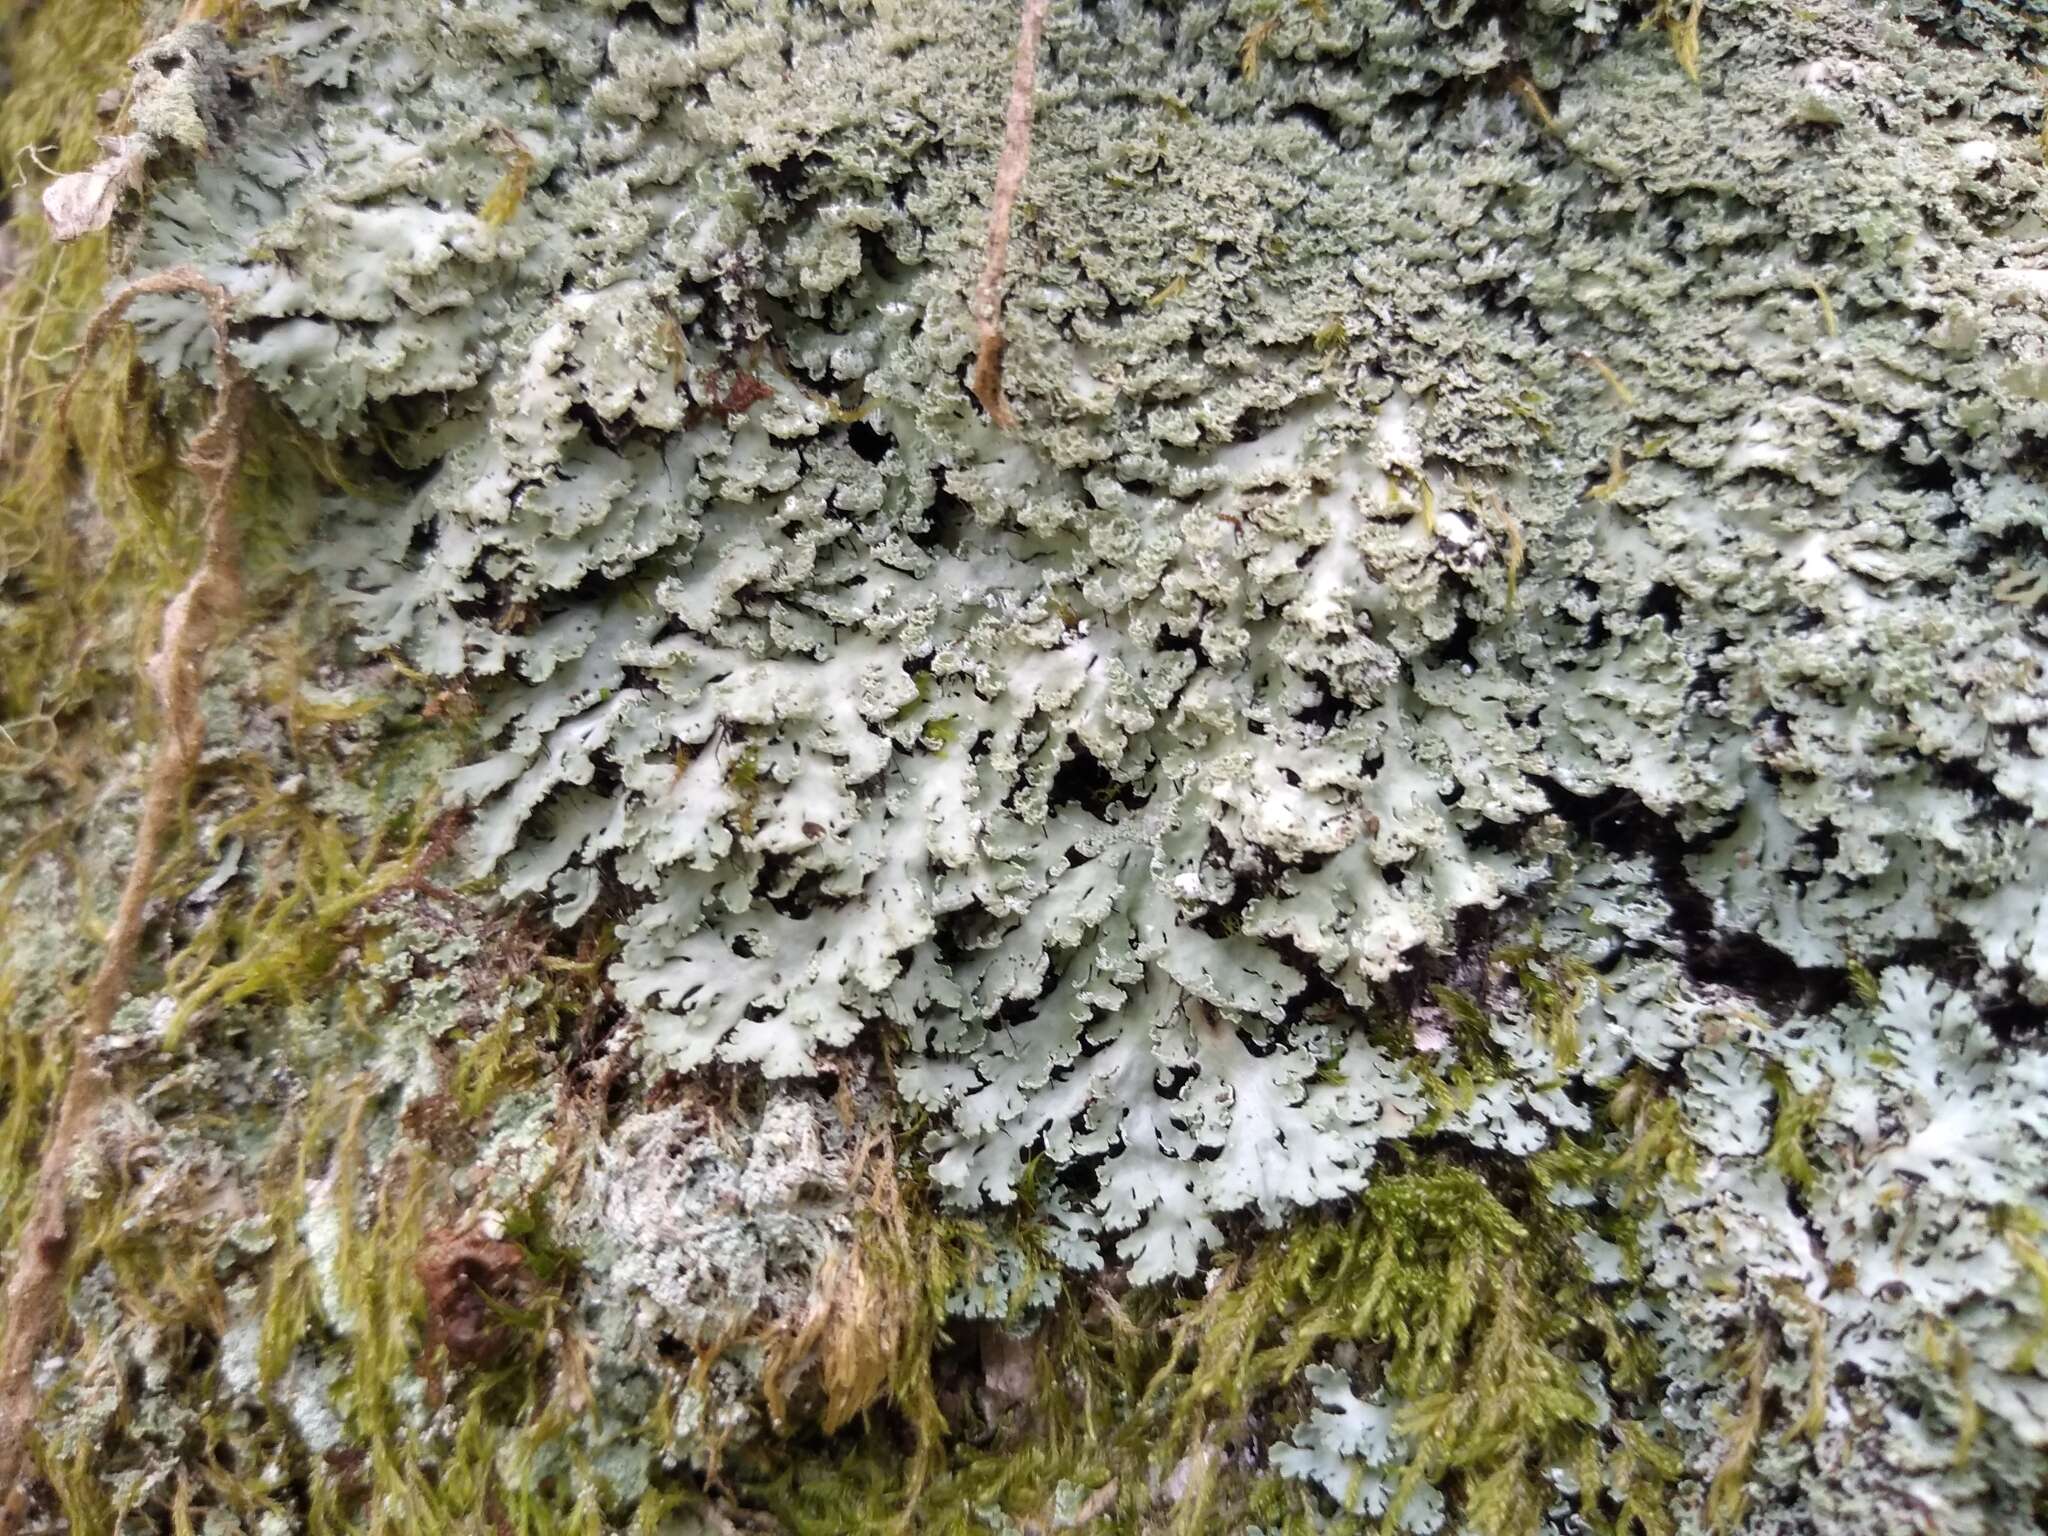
[
  {"x": 67, "y": 631},
  {"x": 1557, "y": 988},
  {"x": 2022, "y": 1233},
  {"x": 422, "y": 1475},
  {"x": 1741, "y": 1431},
  {"x": 1478, "y": 1314},
  {"x": 31, "y": 1076},
  {"x": 744, "y": 779},
  {"x": 1797, "y": 1113},
  {"x": 1654, "y": 1144},
  {"x": 1484, "y": 1318},
  {"x": 282, "y": 943},
  {"x": 1680, "y": 20},
  {"x": 81, "y": 1495},
  {"x": 927, "y": 689},
  {"x": 64, "y": 645},
  {"x": 330, "y": 796}
]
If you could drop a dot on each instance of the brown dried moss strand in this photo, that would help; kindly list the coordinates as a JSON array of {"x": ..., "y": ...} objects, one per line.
[
  {"x": 35, "y": 1289},
  {"x": 1016, "y": 159},
  {"x": 854, "y": 1327}
]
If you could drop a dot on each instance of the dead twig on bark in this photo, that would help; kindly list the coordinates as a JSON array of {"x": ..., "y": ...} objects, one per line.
[
  {"x": 35, "y": 1289},
  {"x": 1016, "y": 157}
]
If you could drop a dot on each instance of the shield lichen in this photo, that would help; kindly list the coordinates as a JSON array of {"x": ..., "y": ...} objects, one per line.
[{"x": 1408, "y": 898}]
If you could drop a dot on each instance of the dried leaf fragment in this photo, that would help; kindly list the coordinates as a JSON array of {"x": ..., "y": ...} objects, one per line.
[
  {"x": 85, "y": 201},
  {"x": 470, "y": 1280}
]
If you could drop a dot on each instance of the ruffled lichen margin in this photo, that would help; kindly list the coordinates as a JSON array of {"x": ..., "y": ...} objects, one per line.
[{"x": 1413, "y": 902}]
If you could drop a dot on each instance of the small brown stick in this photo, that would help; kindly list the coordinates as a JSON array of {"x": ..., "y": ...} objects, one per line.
[
  {"x": 1525, "y": 89},
  {"x": 1095, "y": 1506},
  {"x": 35, "y": 1289},
  {"x": 988, "y": 293}
]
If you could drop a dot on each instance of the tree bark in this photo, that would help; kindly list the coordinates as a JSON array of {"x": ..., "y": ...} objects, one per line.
[{"x": 988, "y": 766}]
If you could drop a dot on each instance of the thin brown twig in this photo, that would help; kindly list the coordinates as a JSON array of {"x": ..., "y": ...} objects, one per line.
[
  {"x": 1016, "y": 158},
  {"x": 35, "y": 1289}
]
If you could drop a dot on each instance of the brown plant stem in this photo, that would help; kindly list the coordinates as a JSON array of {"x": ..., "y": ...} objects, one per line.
[
  {"x": 35, "y": 1289},
  {"x": 987, "y": 381}
]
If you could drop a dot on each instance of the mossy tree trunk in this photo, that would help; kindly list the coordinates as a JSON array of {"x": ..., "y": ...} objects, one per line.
[{"x": 1260, "y": 765}]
